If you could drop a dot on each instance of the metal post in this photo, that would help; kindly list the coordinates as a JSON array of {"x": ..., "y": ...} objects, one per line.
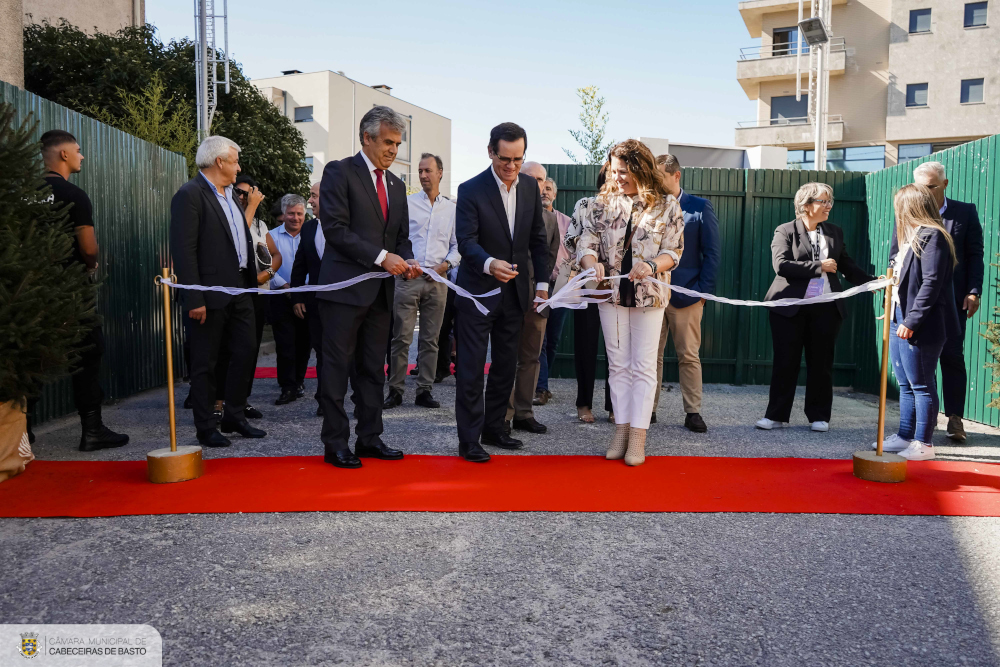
[
  {"x": 818, "y": 157},
  {"x": 169, "y": 335},
  {"x": 202, "y": 63},
  {"x": 884, "y": 377},
  {"x": 798, "y": 58}
]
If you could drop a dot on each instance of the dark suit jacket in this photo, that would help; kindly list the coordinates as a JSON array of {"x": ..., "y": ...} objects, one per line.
[
  {"x": 700, "y": 261},
  {"x": 791, "y": 257},
  {"x": 961, "y": 220},
  {"x": 356, "y": 231},
  {"x": 925, "y": 297},
  {"x": 201, "y": 243},
  {"x": 482, "y": 231},
  {"x": 306, "y": 268},
  {"x": 553, "y": 239}
]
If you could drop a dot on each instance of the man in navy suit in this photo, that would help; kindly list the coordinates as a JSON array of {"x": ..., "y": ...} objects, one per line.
[
  {"x": 366, "y": 224},
  {"x": 961, "y": 220},
  {"x": 499, "y": 226},
  {"x": 305, "y": 271},
  {"x": 697, "y": 269}
]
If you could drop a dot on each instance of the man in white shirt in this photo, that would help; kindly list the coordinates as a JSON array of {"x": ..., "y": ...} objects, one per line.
[{"x": 432, "y": 237}]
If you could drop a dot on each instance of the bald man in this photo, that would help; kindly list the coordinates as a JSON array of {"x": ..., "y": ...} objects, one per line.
[{"x": 520, "y": 415}]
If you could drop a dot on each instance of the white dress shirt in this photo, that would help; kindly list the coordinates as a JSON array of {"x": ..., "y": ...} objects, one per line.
[
  {"x": 371, "y": 170},
  {"x": 432, "y": 230},
  {"x": 320, "y": 239},
  {"x": 509, "y": 197}
]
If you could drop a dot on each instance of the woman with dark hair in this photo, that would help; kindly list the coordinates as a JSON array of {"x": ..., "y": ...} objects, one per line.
[{"x": 634, "y": 230}]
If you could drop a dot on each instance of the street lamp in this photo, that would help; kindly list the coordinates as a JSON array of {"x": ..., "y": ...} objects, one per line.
[{"x": 814, "y": 32}]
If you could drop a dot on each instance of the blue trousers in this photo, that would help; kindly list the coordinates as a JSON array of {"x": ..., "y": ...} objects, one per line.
[
  {"x": 914, "y": 366},
  {"x": 553, "y": 332}
]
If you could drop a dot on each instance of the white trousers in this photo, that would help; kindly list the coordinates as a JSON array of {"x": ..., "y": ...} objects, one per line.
[{"x": 631, "y": 336}]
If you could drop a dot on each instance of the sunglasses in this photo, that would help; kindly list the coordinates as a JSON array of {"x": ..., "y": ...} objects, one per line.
[{"x": 240, "y": 192}]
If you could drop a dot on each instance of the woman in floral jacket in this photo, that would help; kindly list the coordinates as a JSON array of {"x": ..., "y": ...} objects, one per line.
[{"x": 634, "y": 229}]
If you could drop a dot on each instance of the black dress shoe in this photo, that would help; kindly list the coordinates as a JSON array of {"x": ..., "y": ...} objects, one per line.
[
  {"x": 413, "y": 371},
  {"x": 250, "y": 412},
  {"x": 342, "y": 458},
  {"x": 243, "y": 428},
  {"x": 300, "y": 390},
  {"x": 187, "y": 402},
  {"x": 652, "y": 418},
  {"x": 426, "y": 400},
  {"x": 392, "y": 400},
  {"x": 287, "y": 396},
  {"x": 217, "y": 414},
  {"x": 440, "y": 378},
  {"x": 471, "y": 451},
  {"x": 530, "y": 425},
  {"x": 694, "y": 422},
  {"x": 379, "y": 451},
  {"x": 501, "y": 440},
  {"x": 212, "y": 438}
]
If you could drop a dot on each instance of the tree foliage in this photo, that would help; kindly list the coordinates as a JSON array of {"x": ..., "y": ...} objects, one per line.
[
  {"x": 87, "y": 72},
  {"x": 594, "y": 120},
  {"x": 993, "y": 336},
  {"x": 46, "y": 300}
]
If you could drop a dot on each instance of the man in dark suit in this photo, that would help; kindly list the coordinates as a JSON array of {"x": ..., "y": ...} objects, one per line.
[
  {"x": 305, "y": 271},
  {"x": 961, "y": 220},
  {"x": 211, "y": 245},
  {"x": 500, "y": 229},
  {"x": 366, "y": 225},
  {"x": 697, "y": 269}
]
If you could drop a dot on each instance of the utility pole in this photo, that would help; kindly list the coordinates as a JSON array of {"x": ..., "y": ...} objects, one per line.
[
  {"x": 815, "y": 30},
  {"x": 207, "y": 60}
]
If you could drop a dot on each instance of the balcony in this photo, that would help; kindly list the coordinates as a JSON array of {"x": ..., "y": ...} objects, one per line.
[
  {"x": 753, "y": 11},
  {"x": 787, "y": 132},
  {"x": 776, "y": 62}
]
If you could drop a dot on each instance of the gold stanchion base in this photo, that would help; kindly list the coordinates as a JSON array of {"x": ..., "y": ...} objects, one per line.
[
  {"x": 165, "y": 466},
  {"x": 885, "y": 468}
]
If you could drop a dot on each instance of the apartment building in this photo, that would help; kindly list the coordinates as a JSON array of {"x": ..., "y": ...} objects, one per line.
[
  {"x": 327, "y": 108},
  {"x": 907, "y": 78}
]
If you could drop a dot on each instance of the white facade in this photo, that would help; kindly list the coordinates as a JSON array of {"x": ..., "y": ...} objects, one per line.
[{"x": 327, "y": 108}]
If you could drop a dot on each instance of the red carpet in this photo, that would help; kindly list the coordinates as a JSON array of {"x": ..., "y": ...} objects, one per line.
[
  {"x": 270, "y": 372},
  {"x": 506, "y": 484}
]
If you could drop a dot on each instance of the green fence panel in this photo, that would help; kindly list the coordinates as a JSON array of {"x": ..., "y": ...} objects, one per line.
[
  {"x": 973, "y": 171},
  {"x": 130, "y": 183}
]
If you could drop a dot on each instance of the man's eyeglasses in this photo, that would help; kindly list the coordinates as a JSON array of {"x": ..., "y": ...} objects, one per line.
[{"x": 510, "y": 160}]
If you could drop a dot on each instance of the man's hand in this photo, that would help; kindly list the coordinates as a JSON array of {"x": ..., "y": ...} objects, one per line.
[
  {"x": 394, "y": 264},
  {"x": 503, "y": 271},
  {"x": 904, "y": 332},
  {"x": 829, "y": 266},
  {"x": 413, "y": 269},
  {"x": 300, "y": 310},
  {"x": 542, "y": 294},
  {"x": 199, "y": 315},
  {"x": 441, "y": 269},
  {"x": 971, "y": 304}
]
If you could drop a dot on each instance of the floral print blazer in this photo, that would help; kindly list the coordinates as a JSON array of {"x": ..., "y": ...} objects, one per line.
[{"x": 658, "y": 231}]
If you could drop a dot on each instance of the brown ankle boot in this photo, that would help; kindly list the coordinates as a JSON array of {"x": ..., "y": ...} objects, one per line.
[
  {"x": 619, "y": 443},
  {"x": 636, "y": 453}
]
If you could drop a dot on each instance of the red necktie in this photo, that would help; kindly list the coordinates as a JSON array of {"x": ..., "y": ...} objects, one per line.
[{"x": 383, "y": 199}]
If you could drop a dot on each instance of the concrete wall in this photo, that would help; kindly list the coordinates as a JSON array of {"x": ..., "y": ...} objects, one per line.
[
  {"x": 88, "y": 15},
  {"x": 942, "y": 58},
  {"x": 11, "y": 43}
]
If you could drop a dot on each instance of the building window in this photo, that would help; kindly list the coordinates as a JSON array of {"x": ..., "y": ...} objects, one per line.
[
  {"x": 855, "y": 158},
  {"x": 972, "y": 91},
  {"x": 909, "y": 152},
  {"x": 309, "y": 162},
  {"x": 920, "y": 20},
  {"x": 303, "y": 114},
  {"x": 975, "y": 14},
  {"x": 786, "y": 111},
  {"x": 916, "y": 94},
  {"x": 786, "y": 42}
]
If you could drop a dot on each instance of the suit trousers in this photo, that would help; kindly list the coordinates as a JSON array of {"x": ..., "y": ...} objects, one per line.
[
  {"x": 315, "y": 323},
  {"x": 232, "y": 327},
  {"x": 474, "y": 333},
  {"x": 429, "y": 298},
  {"x": 586, "y": 339},
  {"x": 814, "y": 328},
  {"x": 261, "y": 306},
  {"x": 630, "y": 338},
  {"x": 954, "y": 377},
  {"x": 445, "y": 337},
  {"x": 291, "y": 342},
  {"x": 526, "y": 377},
  {"x": 353, "y": 335},
  {"x": 684, "y": 324}
]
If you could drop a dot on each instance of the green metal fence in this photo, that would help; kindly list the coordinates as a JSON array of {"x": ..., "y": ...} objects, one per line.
[
  {"x": 130, "y": 183},
  {"x": 973, "y": 171}
]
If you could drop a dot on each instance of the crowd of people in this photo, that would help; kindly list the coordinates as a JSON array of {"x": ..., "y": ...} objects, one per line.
[{"x": 640, "y": 234}]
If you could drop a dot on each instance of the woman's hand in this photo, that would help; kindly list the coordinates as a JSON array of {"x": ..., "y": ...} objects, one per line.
[
  {"x": 590, "y": 262},
  {"x": 904, "y": 332},
  {"x": 639, "y": 271}
]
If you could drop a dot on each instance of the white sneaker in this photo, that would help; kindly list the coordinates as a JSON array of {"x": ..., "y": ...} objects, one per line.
[
  {"x": 918, "y": 451},
  {"x": 767, "y": 424},
  {"x": 821, "y": 427},
  {"x": 892, "y": 444}
]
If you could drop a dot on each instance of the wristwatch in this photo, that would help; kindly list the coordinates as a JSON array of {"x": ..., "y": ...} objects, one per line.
[{"x": 270, "y": 272}]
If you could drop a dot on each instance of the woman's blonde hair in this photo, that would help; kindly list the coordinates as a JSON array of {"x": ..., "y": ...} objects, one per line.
[
  {"x": 808, "y": 193},
  {"x": 641, "y": 165},
  {"x": 916, "y": 208}
]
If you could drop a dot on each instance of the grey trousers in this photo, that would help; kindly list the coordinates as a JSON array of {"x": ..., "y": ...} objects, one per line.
[
  {"x": 429, "y": 298},
  {"x": 528, "y": 350}
]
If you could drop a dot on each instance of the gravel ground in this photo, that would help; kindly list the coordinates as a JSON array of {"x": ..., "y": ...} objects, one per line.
[{"x": 521, "y": 588}]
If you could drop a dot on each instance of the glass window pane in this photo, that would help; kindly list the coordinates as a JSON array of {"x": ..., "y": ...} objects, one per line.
[
  {"x": 909, "y": 152},
  {"x": 972, "y": 91},
  {"x": 309, "y": 162},
  {"x": 916, "y": 94},
  {"x": 786, "y": 111},
  {"x": 920, "y": 20},
  {"x": 303, "y": 114},
  {"x": 786, "y": 42},
  {"x": 975, "y": 14}
]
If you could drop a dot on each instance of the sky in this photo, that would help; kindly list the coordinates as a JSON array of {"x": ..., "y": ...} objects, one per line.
[{"x": 666, "y": 69}]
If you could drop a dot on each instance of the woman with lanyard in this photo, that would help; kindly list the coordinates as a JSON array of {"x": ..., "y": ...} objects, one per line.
[{"x": 807, "y": 253}]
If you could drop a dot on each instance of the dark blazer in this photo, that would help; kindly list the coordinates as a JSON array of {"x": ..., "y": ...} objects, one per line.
[
  {"x": 791, "y": 257},
  {"x": 553, "y": 240},
  {"x": 356, "y": 231},
  {"x": 201, "y": 243},
  {"x": 924, "y": 295},
  {"x": 306, "y": 268},
  {"x": 961, "y": 220},
  {"x": 700, "y": 261},
  {"x": 482, "y": 231}
]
